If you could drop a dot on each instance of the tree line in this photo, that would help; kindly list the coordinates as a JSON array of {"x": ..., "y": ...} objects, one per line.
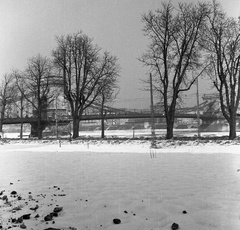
[
  {"x": 87, "y": 75},
  {"x": 199, "y": 38}
]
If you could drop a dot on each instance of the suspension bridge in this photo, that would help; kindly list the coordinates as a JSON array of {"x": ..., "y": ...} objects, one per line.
[
  {"x": 115, "y": 113},
  {"x": 209, "y": 113}
]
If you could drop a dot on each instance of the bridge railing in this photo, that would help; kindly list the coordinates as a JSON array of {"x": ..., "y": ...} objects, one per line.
[{"x": 129, "y": 111}]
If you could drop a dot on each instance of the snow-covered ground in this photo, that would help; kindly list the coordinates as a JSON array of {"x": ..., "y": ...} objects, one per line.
[
  {"x": 98, "y": 181},
  {"x": 129, "y": 133}
]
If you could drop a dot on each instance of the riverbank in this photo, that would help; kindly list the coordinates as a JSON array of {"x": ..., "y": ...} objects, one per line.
[
  {"x": 140, "y": 145},
  {"x": 120, "y": 184}
]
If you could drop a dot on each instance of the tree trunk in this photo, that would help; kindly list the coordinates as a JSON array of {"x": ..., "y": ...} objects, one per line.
[
  {"x": 103, "y": 114},
  {"x": 2, "y": 118},
  {"x": 170, "y": 124},
  {"x": 39, "y": 123},
  {"x": 21, "y": 128},
  {"x": 232, "y": 127},
  {"x": 1, "y": 124},
  {"x": 39, "y": 129},
  {"x": 103, "y": 128},
  {"x": 76, "y": 121},
  {"x": 169, "y": 134}
]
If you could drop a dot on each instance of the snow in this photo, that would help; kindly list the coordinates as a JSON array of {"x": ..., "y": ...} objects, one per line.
[{"x": 99, "y": 180}]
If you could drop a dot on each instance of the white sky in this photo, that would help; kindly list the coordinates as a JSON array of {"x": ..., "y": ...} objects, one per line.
[{"x": 29, "y": 27}]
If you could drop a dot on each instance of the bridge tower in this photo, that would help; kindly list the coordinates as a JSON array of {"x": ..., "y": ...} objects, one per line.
[{"x": 212, "y": 109}]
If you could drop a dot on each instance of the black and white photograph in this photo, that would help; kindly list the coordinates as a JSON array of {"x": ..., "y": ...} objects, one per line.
[{"x": 120, "y": 114}]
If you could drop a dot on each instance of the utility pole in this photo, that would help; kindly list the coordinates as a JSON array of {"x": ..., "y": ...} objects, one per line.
[
  {"x": 56, "y": 119},
  {"x": 21, "y": 115},
  {"x": 152, "y": 109},
  {"x": 198, "y": 114}
]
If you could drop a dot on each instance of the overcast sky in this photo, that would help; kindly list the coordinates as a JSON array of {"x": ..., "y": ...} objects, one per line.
[{"x": 29, "y": 27}]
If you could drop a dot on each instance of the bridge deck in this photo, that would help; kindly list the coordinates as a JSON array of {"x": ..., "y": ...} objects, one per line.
[{"x": 67, "y": 119}]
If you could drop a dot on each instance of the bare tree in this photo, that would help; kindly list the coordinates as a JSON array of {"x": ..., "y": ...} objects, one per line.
[
  {"x": 7, "y": 94},
  {"x": 222, "y": 44},
  {"x": 19, "y": 101},
  {"x": 173, "y": 51},
  {"x": 36, "y": 90},
  {"x": 83, "y": 69},
  {"x": 109, "y": 92}
]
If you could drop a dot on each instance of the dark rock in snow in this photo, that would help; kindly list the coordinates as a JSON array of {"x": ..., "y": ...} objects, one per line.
[
  {"x": 23, "y": 226},
  {"x": 34, "y": 208},
  {"x": 26, "y": 216},
  {"x": 48, "y": 217},
  {"x": 13, "y": 193},
  {"x": 18, "y": 208},
  {"x": 20, "y": 220},
  {"x": 14, "y": 220},
  {"x": 57, "y": 209},
  {"x": 55, "y": 214},
  {"x": 175, "y": 226},
  {"x": 116, "y": 221},
  {"x": 184, "y": 212},
  {"x": 52, "y": 229}
]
